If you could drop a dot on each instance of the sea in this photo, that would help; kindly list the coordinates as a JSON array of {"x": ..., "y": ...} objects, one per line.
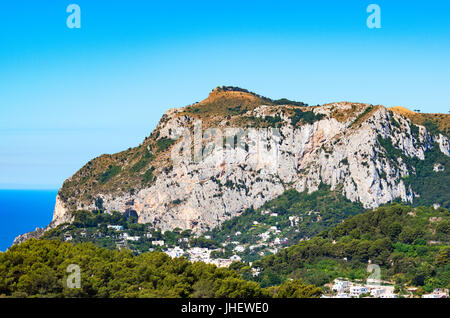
[{"x": 23, "y": 211}]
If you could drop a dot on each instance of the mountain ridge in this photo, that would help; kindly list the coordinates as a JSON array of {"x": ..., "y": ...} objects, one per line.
[{"x": 336, "y": 143}]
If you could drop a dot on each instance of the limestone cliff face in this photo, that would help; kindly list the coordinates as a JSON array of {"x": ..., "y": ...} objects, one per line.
[
  {"x": 61, "y": 214},
  {"x": 340, "y": 148},
  {"x": 37, "y": 233}
]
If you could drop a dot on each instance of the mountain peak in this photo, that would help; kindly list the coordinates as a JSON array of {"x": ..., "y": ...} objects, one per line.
[
  {"x": 365, "y": 150},
  {"x": 225, "y": 100},
  {"x": 233, "y": 94}
]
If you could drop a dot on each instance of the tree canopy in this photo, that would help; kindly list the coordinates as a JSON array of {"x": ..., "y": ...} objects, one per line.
[{"x": 38, "y": 268}]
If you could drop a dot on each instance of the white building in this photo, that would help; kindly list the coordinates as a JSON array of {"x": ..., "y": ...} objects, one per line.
[
  {"x": 388, "y": 295},
  {"x": 255, "y": 272},
  {"x": 435, "y": 295},
  {"x": 342, "y": 295},
  {"x": 158, "y": 243},
  {"x": 116, "y": 227},
  {"x": 221, "y": 262},
  {"x": 239, "y": 248},
  {"x": 235, "y": 258},
  {"x": 356, "y": 291},
  {"x": 133, "y": 238},
  {"x": 265, "y": 236},
  {"x": 252, "y": 247},
  {"x": 341, "y": 285},
  {"x": 127, "y": 237},
  {"x": 175, "y": 252},
  {"x": 377, "y": 292},
  {"x": 199, "y": 254},
  {"x": 274, "y": 229},
  {"x": 293, "y": 220}
]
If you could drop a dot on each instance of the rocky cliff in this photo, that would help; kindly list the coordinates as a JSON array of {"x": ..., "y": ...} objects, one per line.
[{"x": 209, "y": 161}]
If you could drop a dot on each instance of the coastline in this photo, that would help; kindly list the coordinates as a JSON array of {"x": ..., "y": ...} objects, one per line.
[{"x": 23, "y": 211}]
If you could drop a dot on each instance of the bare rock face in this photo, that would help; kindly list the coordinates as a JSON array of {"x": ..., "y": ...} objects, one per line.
[
  {"x": 61, "y": 214},
  {"x": 34, "y": 234},
  {"x": 340, "y": 151}
]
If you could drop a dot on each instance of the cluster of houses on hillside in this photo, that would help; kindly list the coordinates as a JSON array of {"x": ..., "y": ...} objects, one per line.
[
  {"x": 122, "y": 238},
  {"x": 269, "y": 241},
  {"x": 198, "y": 254},
  {"x": 346, "y": 289},
  {"x": 437, "y": 293}
]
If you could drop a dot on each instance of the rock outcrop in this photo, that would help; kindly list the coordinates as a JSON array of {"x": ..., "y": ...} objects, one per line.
[
  {"x": 33, "y": 234},
  {"x": 251, "y": 151}
]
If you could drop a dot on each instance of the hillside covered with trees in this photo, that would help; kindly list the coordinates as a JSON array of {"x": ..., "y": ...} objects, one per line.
[
  {"x": 411, "y": 246},
  {"x": 38, "y": 268},
  {"x": 296, "y": 216}
]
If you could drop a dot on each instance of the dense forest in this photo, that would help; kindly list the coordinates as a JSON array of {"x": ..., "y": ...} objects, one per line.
[
  {"x": 411, "y": 245},
  {"x": 38, "y": 268}
]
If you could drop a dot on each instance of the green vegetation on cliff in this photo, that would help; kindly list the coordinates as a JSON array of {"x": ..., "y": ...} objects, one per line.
[
  {"x": 307, "y": 117},
  {"x": 295, "y": 215},
  {"x": 429, "y": 178},
  {"x": 411, "y": 245},
  {"x": 38, "y": 268}
]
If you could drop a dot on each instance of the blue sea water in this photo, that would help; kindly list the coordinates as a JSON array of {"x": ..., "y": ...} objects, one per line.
[{"x": 23, "y": 211}]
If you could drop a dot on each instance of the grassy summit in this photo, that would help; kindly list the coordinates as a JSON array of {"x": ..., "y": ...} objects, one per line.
[
  {"x": 433, "y": 122},
  {"x": 136, "y": 168}
]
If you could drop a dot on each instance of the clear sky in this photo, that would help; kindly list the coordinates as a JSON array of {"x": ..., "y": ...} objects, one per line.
[{"x": 68, "y": 95}]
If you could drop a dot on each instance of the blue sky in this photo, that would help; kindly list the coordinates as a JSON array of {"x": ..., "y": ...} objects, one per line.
[{"x": 68, "y": 95}]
